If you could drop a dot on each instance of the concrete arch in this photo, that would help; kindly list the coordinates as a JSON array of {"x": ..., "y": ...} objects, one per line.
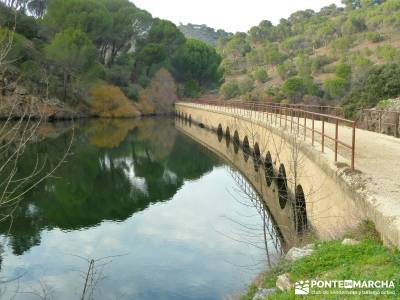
[
  {"x": 300, "y": 210},
  {"x": 227, "y": 137},
  {"x": 236, "y": 141},
  {"x": 246, "y": 148},
  {"x": 257, "y": 153},
  {"x": 220, "y": 133},
  {"x": 282, "y": 186},
  {"x": 320, "y": 181},
  {"x": 269, "y": 169},
  {"x": 257, "y": 157}
]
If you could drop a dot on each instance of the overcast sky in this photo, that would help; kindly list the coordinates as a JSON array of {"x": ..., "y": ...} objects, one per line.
[{"x": 231, "y": 15}]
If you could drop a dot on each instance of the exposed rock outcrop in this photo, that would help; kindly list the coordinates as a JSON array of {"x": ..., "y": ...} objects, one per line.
[
  {"x": 297, "y": 253},
  {"x": 283, "y": 282},
  {"x": 350, "y": 242},
  {"x": 17, "y": 102}
]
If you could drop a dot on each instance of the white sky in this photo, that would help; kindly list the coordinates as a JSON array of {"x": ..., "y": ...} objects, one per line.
[{"x": 230, "y": 15}]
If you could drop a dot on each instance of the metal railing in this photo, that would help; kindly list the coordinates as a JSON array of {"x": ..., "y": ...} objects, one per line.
[
  {"x": 322, "y": 109},
  {"x": 295, "y": 116}
]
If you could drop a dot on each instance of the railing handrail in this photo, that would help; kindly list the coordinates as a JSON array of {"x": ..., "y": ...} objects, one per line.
[
  {"x": 294, "y": 105},
  {"x": 296, "y": 113}
]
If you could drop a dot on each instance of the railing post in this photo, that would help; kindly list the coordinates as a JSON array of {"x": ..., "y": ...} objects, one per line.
[
  {"x": 298, "y": 123},
  {"x": 323, "y": 135},
  {"x": 285, "y": 118},
  {"x": 313, "y": 126},
  {"x": 305, "y": 124},
  {"x": 353, "y": 147},
  {"x": 396, "y": 124},
  {"x": 336, "y": 138},
  {"x": 291, "y": 120}
]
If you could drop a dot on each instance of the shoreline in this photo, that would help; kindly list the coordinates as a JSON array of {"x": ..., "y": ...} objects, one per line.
[{"x": 358, "y": 256}]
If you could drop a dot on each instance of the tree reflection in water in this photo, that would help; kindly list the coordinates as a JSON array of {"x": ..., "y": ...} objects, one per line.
[
  {"x": 271, "y": 240},
  {"x": 116, "y": 168}
]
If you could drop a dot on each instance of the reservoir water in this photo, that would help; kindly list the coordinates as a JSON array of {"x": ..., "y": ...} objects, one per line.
[{"x": 137, "y": 210}]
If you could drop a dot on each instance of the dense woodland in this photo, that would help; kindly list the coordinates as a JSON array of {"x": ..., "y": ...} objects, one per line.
[
  {"x": 340, "y": 55},
  {"x": 110, "y": 58},
  {"x": 107, "y": 57}
]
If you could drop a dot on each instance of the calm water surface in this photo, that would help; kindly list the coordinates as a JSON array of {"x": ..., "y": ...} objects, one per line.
[{"x": 161, "y": 216}]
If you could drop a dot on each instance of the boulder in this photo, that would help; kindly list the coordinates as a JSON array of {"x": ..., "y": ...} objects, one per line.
[
  {"x": 263, "y": 293},
  {"x": 308, "y": 247},
  {"x": 283, "y": 282},
  {"x": 350, "y": 242},
  {"x": 296, "y": 253}
]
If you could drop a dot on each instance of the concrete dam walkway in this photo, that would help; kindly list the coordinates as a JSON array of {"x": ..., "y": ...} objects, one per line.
[{"x": 375, "y": 180}]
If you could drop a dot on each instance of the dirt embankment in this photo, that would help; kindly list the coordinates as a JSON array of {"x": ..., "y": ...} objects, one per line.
[{"x": 105, "y": 102}]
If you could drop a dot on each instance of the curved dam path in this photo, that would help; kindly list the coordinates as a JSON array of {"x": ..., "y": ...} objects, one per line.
[{"x": 371, "y": 191}]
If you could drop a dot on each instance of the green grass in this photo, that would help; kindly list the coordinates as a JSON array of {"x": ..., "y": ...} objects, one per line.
[{"x": 369, "y": 260}]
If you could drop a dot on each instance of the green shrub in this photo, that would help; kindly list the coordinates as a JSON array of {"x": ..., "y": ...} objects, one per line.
[
  {"x": 353, "y": 25},
  {"x": 246, "y": 85},
  {"x": 261, "y": 75},
  {"x": 388, "y": 53},
  {"x": 25, "y": 25},
  {"x": 341, "y": 45},
  {"x": 230, "y": 90},
  {"x": 131, "y": 91},
  {"x": 343, "y": 71},
  {"x": 287, "y": 69},
  {"x": 118, "y": 75},
  {"x": 273, "y": 56},
  {"x": 294, "y": 88},
  {"x": 191, "y": 89},
  {"x": 32, "y": 71},
  {"x": 335, "y": 88},
  {"x": 375, "y": 37},
  {"x": 20, "y": 50},
  {"x": 379, "y": 83},
  {"x": 303, "y": 64},
  {"x": 318, "y": 62}
]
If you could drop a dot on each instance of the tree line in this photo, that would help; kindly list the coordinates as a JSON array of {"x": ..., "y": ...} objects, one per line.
[
  {"x": 66, "y": 47},
  {"x": 331, "y": 56}
]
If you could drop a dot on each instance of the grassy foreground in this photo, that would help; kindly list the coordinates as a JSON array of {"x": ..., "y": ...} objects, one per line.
[{"x": 369, "y": 260}]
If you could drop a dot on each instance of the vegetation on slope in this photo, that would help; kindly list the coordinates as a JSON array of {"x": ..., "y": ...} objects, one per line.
[
  {"x": 67, "y": 48},
  {"x": 331, "y": 260},
  {"x": 348, "y": 55},
  {"x": 203, "y": 33}
]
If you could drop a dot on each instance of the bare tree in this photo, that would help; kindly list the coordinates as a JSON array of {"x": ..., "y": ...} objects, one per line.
[
  {"x": 19, "y": 128},
  {"x": 16, "y": 131}
]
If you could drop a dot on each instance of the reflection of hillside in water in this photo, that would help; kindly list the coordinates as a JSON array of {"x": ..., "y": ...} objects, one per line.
[{"x": 115, "y": 168}]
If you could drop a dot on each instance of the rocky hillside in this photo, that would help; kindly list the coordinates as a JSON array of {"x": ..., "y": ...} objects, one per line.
[
  {"x": 340, "y": 55},
  {"x": 100, "y": 58},
  {"x": 204, "y": 33}
]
